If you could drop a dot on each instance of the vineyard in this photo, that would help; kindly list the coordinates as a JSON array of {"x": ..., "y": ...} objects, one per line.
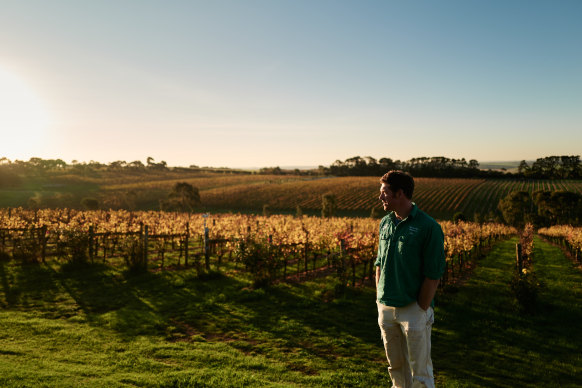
[
  {"x": 567, "y": 236},
  {"x": 267, "y": 301},
  {"x": 270, "y": 248},
  {"x": 440, "y": 197}
]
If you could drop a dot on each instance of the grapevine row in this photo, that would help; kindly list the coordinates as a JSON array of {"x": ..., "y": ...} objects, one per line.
[
  {"x": 568, "y": 236},
  {"x": 338, "y": 243}
]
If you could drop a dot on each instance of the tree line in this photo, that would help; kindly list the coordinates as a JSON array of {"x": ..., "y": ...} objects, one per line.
[
  {"x": 11, "y": 172},
  {"x": 551, "y": 167},
  {"x": 542, "y": 208},
  {"x": 436, "y": 166},
  {"x": 40, "y": 166}
]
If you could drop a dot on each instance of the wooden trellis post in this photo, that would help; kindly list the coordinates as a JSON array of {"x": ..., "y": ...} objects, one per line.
[
  {"x": 186, "y": 244},
  {"x": 145, "y": 246},
  {"x": 518, "y": 258},
  {"x": 91, "y": 240},
  {"x": 206, "y": 244},
  {"x": 43, "y": 240}
]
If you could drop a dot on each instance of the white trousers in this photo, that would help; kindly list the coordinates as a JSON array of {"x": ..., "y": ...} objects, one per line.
[{"x": 406, "y": 336}]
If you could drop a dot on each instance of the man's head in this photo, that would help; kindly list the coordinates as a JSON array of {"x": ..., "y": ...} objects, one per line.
[{"x": 396, "y": 190}]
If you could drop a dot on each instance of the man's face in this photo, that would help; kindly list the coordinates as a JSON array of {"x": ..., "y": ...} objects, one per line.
[{"x": 387, "y": 197}]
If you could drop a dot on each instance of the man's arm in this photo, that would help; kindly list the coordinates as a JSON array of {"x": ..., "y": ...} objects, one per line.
[
  {"x": 427, "y": 292},
  {"x": 377, "y": 277}
]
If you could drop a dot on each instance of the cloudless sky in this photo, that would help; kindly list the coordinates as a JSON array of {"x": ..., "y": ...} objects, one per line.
[{"x": 289, "y": 82}]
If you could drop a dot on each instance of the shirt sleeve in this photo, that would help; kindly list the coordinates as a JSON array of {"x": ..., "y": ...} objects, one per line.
[
  {"x": 378, "y": 261},
  {"x": 434, "y": 253}
]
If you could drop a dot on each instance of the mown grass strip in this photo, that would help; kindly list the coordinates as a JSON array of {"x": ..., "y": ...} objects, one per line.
[{"x": 481, "y": 340}]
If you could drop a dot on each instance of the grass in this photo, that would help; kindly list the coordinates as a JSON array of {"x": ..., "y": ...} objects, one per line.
[
  {"x": 481, "y": 340},
  {"x": 97, "y": 326}
]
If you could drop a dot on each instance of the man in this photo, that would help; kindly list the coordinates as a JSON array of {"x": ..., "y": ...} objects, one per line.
[{"x": 410, "y": 262}]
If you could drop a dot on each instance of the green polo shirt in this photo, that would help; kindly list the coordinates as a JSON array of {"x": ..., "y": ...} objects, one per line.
[{"x": 408, "y": 251}]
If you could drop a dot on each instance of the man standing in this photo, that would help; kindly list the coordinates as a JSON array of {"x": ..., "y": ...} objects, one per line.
[{"x": 410, "y": 262}]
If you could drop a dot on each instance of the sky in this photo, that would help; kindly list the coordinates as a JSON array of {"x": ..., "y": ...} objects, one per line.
[{"x": 263, "y": 83}]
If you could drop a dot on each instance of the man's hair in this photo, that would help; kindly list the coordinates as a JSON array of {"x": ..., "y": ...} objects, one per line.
[{"x": 397, "y": 180}]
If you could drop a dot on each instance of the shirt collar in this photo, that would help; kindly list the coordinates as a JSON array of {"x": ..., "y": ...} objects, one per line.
[
  {"x": 412, "y": 214},
  {"x": 413, "y": 211}
]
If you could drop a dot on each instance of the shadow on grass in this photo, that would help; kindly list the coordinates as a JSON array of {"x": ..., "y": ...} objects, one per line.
[
  {"x": 223, "y": 308},
  {"x": 27, "y": 285},
  {"x": 182, "y": 306}
]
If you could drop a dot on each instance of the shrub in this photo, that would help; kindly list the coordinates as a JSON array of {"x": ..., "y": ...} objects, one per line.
[
  {"x": 133, "y": 254},
  {"x": 27, "y": 248},
  {"x": 375, "y": 212},
  {"x": 260, "y": 260},
  {"x": 74, "y": 245},
  {"x": 458, "y": 217}
]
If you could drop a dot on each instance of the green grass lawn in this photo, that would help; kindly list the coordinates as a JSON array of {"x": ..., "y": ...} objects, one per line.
[
  {"x": 480, "y": 340},
  {"x": 99, "y": 326},
  {"x": 96, "y": 326}
]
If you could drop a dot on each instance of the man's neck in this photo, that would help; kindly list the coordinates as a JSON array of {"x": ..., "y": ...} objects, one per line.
[{"x": 403, "y": 212}]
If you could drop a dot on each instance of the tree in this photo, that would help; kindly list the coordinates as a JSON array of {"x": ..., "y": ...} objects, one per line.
[
  {"x": 571, "y": 167},
  {"x": 516, "y": 208},
  {"x": 458, "y": 217},
  {"x": 184, "y": 197},
  {"x": 523, "y": 168},
  {"x": 136, "y": 165},
  {"x": 117, "y": 165},
  {"x": 90, "y": 203},
  {"x": 473, "y": 164},
  {"x": 328, "y": 203},
  {"x": 558, "y": 207},
  {"x": 156, "y": 166},
  {"x": 387, "y": 164}
]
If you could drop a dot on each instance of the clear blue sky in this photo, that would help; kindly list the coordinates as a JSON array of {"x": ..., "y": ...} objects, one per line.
[{"x": 289, "y": 82}]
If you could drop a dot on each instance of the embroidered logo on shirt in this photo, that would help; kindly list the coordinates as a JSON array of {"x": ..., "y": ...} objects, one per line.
[{"x": 413, "y": 231}]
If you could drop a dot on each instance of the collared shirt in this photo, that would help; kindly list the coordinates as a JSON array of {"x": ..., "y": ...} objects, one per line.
[{"x": 408, "y": 251}]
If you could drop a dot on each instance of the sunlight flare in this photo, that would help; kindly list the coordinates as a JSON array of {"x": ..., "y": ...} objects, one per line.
[{"x": 24, "y": 121}]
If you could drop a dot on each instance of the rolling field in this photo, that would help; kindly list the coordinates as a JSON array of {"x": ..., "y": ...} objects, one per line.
[
  {"x": 440, "y": 197},
  {"x": 249, "y": 193}
]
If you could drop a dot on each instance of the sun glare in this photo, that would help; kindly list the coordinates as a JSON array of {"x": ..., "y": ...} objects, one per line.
[{"x": 24, "y": 121}]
